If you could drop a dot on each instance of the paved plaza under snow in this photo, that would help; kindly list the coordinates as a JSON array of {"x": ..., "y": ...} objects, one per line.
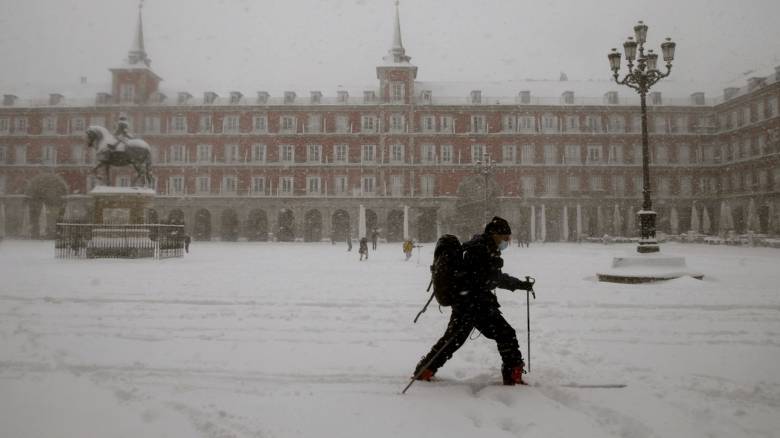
[{"x": 303, "y": 340}]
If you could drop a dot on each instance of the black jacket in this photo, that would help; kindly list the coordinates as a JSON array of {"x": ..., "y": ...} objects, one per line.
[{"x": 482, "y": 263}]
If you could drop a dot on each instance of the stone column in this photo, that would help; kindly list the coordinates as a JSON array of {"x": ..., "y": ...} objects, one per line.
[
  {"x": 406, "y": 222},
  {"x": 543, "y": 224},
  {"x": 533, "y": 224},
  {"x": 565, "y": 222},
  {"x": 579, "y": 222},
  {"x": 273, "y": 222}
]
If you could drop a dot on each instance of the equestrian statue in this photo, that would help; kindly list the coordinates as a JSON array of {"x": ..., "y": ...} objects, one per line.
[{"x": 120, "y": 149}]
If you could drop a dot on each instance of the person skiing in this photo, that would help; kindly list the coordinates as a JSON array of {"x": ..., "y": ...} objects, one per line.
[
  {"x": 477, "y": 306},
  {"x": 408, "y": 246},
  {"x": 363, "y": 250},
  {"x": 122, "y": 134}
]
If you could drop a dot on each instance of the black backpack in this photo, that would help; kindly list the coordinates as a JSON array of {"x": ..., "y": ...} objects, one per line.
[{"x": 447, "y": 269}]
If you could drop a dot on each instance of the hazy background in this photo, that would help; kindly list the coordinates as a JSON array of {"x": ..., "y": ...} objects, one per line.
[{"x": 273, "y": 45}]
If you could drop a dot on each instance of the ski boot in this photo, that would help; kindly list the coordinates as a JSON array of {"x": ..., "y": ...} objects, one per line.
[{"x": 513, "y": 375}]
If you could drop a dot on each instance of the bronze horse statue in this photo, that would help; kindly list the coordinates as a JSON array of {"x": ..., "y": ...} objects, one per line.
[{"x": 134, "y": 152}]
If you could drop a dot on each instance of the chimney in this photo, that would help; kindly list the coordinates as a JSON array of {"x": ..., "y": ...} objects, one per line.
[
  {"x": 209, "y": 97},
  {"x": 235, "y": 97},
  {"x": 9, "y": 99},
  {"x": 56, "y": 98},
  {"x": 262, "y": 97},
  {"x": 316, "y": 96},
  {"x": 730, "y": 92},
  {"x": 697, "y": 98},
  {"x": 289, "y": 96},
  {"x": 183, "y": 98}
]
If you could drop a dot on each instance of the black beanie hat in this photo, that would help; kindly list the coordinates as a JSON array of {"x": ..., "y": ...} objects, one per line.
[{"x": 498, "y": 226}]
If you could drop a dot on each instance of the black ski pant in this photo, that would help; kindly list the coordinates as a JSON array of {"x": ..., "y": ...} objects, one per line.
[{"x": 489, "y": 321}]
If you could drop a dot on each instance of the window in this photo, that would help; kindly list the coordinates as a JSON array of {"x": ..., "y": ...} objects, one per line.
[
  {"x": 638, "y": 184},
  {"x": 618, "y": 185},
  {"x": 286, "y": 153},
  {"x": 527, "y": 155},
  {"x": 397, "y": 123},
  {"x": 179, "y": 124},
  {"x": 572, "y": 123},
  {"x": 49, "y": 155},
  {"x": 509, "y": 123},
  {"x": 258, "y": 185},
  {"x": 528, "y": 186},
  {"x": 428, "y": 123},
  {"x": 594, "y": 154},
  {"x": 427, "y": 183},
  {"x": 176, "y": 185},
  {"x": 368, "y": 185},
  {"x": 596, "y": 183},
  {"x": 509, "y": 153},
  {"x": 340, "y": 153},
  {"x": 285, "y": 186},
  {"x": 681, "y": 124},
  {"x": 397, "y": 153},
  {"x": 203, "y": 185},
  {"x": 258, "y": 153},
  {"x": 152, "y": 124},
  {"x": 684, "y": 154},
  {"x": 204, "y": 153},
  {"x": 397, "y": 91},
  {"x": 314, "y": 123},
  {"x": 2, "y": 186},
  {"x": 428, "y": 153},
  {"x": 446, "y": 153},
  {"x": 549, "y": 123},
  {"x": 551, "y": 184},
  {"x": 368, "y": 124},
  {"x": 206, "y": 123},
  {"x": 617, "y": 124},
  {"x": 340, "y": 185},
  {"x": 20, "y": 125},
  {"x": 477, "y": 152},
  {"x": 127, "y": 92},
  {"x": 594, "y": 123},
  {"x": 342, "y": 123},
  {"x": 664, "y": 186},
  {"x": 573, "y": 182},
  {"x": 571, "y": 154},
  {"x": 123, "y": 181},
  {"x": 313, "y": 185},
  {"x": 526, "y": 123},
  {"x": 98, "y": 121},
  {"x": 478, "y": 124},
  {"x": 3, "y": 155},
  {"x": 232, "y": 153},
  {"x": 5, "y": 125},
  {"x": 21, "y": 155},
  {"x": 397, "y": 185},
  {"x": 659, "y": 124},
  {"x": 615, "y": 153},
  {"x": 288, "y": 124},
  {"x": 551, "y": 154},
  {"x": 230, "y": 124},
  {"x": 178, "y": 153},
  {"x": 49, "y": 125},
  {"x": 686, "y": 187},
  {"x": 368, "y": 153},
  {"x": 661, "y": 154},
  {"x": 446, "y": 124},
  {"x": 260, "y": 123},
  {"x": 314, "y": 153}
]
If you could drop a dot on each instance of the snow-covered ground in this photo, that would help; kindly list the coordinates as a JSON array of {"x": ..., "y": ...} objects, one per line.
[{"x": 303, "y": 340}]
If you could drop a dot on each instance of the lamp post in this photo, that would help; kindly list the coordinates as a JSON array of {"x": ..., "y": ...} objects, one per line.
[
  {"x": 640, "y": 77},
  {"x": 485, "y": 167}
]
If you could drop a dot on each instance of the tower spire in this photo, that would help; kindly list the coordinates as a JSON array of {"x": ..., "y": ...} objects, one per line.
[
  {"x": 137, "y": 53},
  {"x": 397, "y": 53}
]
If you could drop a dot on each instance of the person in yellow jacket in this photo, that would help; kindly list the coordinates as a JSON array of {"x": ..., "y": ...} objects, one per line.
[{"x": 408, "y": 246}]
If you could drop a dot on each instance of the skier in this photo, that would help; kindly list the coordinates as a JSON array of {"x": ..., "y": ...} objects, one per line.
[
  {"x": 408, "y": 246},
  {"x": 363, "y": 248},
  {"x": 477, "y": 306}
]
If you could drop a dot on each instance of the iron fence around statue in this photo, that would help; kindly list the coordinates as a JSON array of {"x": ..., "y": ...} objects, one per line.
[{"x": 125, "y": 241}]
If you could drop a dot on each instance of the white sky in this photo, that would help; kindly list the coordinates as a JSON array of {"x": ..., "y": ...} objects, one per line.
[{"x": 247, "y": 45}]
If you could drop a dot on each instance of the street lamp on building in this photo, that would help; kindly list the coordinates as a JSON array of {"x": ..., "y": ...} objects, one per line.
[
  {"x": 485, "y": 167},
  {"x": 642, "y": 74}
]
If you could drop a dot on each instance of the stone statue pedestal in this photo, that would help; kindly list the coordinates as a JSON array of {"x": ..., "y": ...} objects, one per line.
[
  {"x": 647, "y": 268},
  {"x": 121, "y": 205}
]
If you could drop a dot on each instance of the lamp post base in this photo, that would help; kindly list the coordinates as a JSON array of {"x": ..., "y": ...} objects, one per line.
[
  {"x": 647, "y": 242},
  {"x": 647, "y": 247},
  {"x": 647, "y": 268}
]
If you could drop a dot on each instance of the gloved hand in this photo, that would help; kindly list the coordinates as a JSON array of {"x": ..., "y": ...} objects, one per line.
[{"x": 522, "y": 285}]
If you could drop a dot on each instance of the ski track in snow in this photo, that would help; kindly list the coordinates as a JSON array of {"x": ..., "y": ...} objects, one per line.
[{"x": 286, "y": 340}]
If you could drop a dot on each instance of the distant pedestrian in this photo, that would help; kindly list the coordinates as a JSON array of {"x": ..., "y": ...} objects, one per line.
[
  {"x": 187, "y": 240},
  {"x": 374, "y": 238},
  {"x": 363, "y": 248},
  {"x": 408, "y": 247},
  {"x": 349, "y": 242}
]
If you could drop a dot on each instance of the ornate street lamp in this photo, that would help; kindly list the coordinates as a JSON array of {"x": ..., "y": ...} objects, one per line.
[
  {"x": 485, "y": 167},
  {"x": 640, "y": 77}
]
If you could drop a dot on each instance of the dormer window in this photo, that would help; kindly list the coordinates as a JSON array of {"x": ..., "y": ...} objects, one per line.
[
  {"x": 235, "y": 97},
  {"x": 369, "y": 96},
  {"x": 289, "y": 97},
  {"x": 525, "y": 97},
  {"x": 397, "y": 91},
  {"x": 426, "y": 96},
  {"x": 127, "y": 92},
  {"x": 183, "y": 98},
  {"x": 102, "y": 99},
  {"x": 56, "y": 99},
  {"x": 316, "y": 97},
  {"x": 343, "y": 96},
  {"x": 611, "y": 98},
  {"x": 476, "y": 96},
  {"x": 568, "y": 97},
  {"x": 655, "y": 98},
  {"x": 209, "y": 97},
  {"x": 697, "y": 98},
  {"x": 262, "y": 97}
]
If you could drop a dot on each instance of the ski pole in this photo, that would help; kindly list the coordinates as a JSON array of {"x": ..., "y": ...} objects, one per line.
[
  {"x": 426, "y": 304},
  {"x": 424, "y": 367},
  {"x": 528, "y": 315}
]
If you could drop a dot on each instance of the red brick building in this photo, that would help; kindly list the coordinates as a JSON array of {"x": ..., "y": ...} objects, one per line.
[{"x": 567, "y": 156}]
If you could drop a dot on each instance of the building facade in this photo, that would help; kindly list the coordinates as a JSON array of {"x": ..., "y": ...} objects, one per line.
[{"x": 300, "y": 166}]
